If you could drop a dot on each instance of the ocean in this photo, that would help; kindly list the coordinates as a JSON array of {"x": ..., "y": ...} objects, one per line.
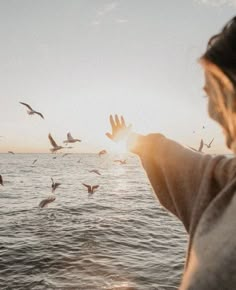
[{"x": 120, "y": 238}]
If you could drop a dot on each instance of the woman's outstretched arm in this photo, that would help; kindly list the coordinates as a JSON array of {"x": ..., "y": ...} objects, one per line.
[{"x": 176, "y": 173}]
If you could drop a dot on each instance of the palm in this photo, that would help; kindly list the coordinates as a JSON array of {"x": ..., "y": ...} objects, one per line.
[{"x": 119, "y": 130}]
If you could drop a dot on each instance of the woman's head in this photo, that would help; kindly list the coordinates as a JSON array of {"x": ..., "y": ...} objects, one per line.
[{"x": 219, "y": 63}]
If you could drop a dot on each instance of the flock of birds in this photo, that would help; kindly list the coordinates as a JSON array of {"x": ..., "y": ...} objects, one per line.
[
  {"x": 70, "y": 140},
  {"x": 55, "y": 147}
]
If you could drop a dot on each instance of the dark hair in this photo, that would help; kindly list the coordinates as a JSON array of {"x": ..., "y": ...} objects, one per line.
[{"x": 221, "y": 50}]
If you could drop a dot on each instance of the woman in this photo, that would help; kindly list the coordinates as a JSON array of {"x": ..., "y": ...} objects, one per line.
[{"x": 199, "y": 189}]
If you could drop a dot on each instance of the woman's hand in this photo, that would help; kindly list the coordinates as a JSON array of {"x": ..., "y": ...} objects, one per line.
[{"x": 119, "y": 130}]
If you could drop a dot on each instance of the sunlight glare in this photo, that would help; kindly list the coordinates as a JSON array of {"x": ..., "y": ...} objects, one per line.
[{"x": 120, "y": 147}]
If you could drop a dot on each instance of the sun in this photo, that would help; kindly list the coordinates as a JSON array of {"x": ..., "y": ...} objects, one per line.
[{"x": 120, "y": 147}]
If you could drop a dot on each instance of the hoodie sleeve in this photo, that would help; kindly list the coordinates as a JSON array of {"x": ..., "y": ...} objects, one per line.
[{"x": 178, "y": 174}]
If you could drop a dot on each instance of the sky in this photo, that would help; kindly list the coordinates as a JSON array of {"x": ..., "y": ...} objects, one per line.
[{"x": 78, "y": 61}]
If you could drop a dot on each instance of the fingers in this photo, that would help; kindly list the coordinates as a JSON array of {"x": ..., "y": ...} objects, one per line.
[
  {"x": 112, "y": 122},
  {"x": 109, "y": 136},
  {"x": 117, "y": 121},
  {"x": 123, "y": 122}
]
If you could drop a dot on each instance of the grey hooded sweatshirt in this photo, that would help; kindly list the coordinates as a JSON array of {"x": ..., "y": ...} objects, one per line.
[{"x": 200, "y": 190}]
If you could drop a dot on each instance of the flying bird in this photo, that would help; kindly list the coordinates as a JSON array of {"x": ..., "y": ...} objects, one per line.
[
  {"x": 70, "y": 139},
  {"x": 199, "y": 148},
  {"x": 54, "y": 185},
  {"x": 102, "y": 152},
  {"x": 46, "y": 201},
  {"x": 209, "y": 145},
  {"x": 91, "y": 189},
  {"x": 1, "y": 180},
  {"x": 30, "y": 111},
  {"x": 35, "y": 160},
  {"x": 95, "y": 171},
  {"x": 54, "y": 144},
  {"x": 11, "y": 152}
]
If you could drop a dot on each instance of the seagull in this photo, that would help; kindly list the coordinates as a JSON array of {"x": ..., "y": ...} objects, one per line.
[
  {"x": 54, "y": 185},
  {"x": 46, "y": 201},
  {"x": 65, "y": 154},
  {"x": 91, "y": 189},
  {"x": 54, "y": 144},
  {"x": 121, "y": 161},
  {"x": 35, "y": 160},
  {"x": 209, "y": 145},
  {"x": 11, "y": 152},
  {"x": 31, "y": 111},
  {"x": 70, "y": 139},
  {"x": 1, "y": 180},
  {"x": 200, "y": 147},
  {"x": 102, "y": 152},
  {"x": 95, "y": 171}
]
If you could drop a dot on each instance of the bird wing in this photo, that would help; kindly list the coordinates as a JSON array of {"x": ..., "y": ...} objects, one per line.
[
  {"x": 55, "y": 186},
  {"x": 69, "y": 137},
  {"x": 88, "y": 186},
  {"x": 41, "y": 115},
  {"x": 94, "y": 171},
  {"x": 46, "y": 201},
  {"x": 34, "y": 161},
  {"x": 200, "y": 146},
  {"x": 95, "y": 187},
  {"x": 1, "y": 180},
  {"x": 52, "y": 141},
  {"x": 28, "y": 106},
  {"x": 211, "y": 142}
]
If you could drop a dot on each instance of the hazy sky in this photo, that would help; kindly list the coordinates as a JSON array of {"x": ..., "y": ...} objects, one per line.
[{"x": 77, "y": 61}]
